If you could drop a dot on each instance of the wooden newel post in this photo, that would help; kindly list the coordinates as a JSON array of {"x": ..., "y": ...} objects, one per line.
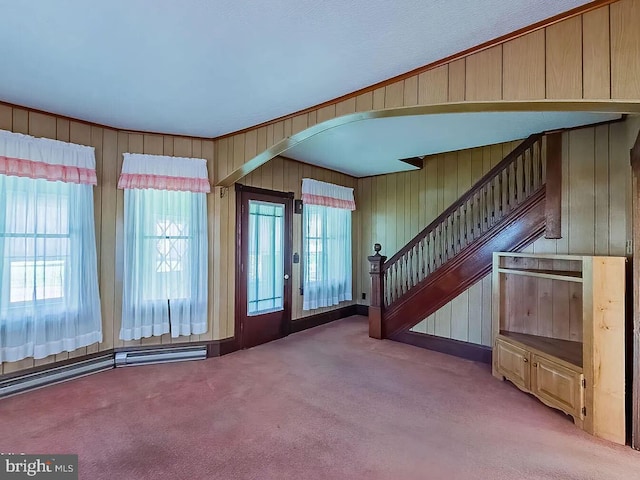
[{"x": 376, "y": 303}]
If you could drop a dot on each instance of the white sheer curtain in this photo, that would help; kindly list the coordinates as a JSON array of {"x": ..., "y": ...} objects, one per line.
[
  {"x": 165, "y": 244},
  {"x": 327, "y": 266},
  {"x": 49, "y": 300}
]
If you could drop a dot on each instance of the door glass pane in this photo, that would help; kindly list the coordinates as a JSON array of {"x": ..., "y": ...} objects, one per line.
[{"x": 265, "y": 275}]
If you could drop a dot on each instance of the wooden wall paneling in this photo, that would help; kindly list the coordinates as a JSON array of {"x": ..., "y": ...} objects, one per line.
[
  {"x": 294, "y": 183},
  {"x": 457, "y": 75},
  {"x": 122, "y": 147},
  {"x": 474, "y": 307},
  {"x": 411, "y": 91},
  {"x": 395, "y": 235},
  {"x": 298, "y": 124},
  {"x": 581, "y": 191},
  {"x": 487, "y": 296},
  {"x": 346, "y": 107},
  {"x": 378, "y": 98},
  {"x": 107, "y": 267},
  {"x": 460, "y": 317},
  {"x": 363, "y": 204},
  {"x": 625, "y": 40},
  {"x": 261, "y": 137},
  {"x": 596, "y": 58},
  {"x": 208, "y": 153},
  {"x": 483, "y": 76},
  {"x": 222, "y": 157},
  {"x": 62, "y": 129},
  {"x": 380, "y": 227},
  {"x": 442, "y": 321},
  {"x": 394, "y": 95},
  {"x": 20, "y": 121},
  {"x": 524, "y": 67},
  {"x": 601, "y": 190},
  {"x": 287, "y": 128},
  {"x": 251, "y": 144},
  {"x": 619, "y": 172},
  {"x": 433, "y": 86},
  {"x": 278, "y": 175},
  {"x": 364, "y": 102},
  {"x": 564, "y": 59},
  {"x": 41, "y": 125},
  {"x": 97, "y": 134},
  {"x": 420, "y": 327},
  {"x": 6, "y": 118},
  {"x": 218, "y": 251},
  {"x": 238, "y": 149},
  {"x": 326, "y": 113}
]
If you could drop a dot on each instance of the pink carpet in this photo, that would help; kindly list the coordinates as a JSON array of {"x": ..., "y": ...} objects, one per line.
[{"x": 328, "y": 403}]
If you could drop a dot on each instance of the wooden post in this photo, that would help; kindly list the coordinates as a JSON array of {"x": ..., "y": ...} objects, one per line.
[
  {"x": 553, "y": 194},
  {"x": 376, "y": 304},
  {"x": 635, "y": 413}
]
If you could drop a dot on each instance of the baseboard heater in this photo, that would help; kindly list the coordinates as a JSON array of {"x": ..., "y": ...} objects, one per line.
[
  {"x": 160, "y": 355},
  {"x": 32, "y": 381}
]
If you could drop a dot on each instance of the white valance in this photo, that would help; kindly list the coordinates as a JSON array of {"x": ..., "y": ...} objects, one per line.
[
  {"x": 162, "y": 172},
  {"x": 53, "y": 160},
  {"x": 315, "y": 192}
]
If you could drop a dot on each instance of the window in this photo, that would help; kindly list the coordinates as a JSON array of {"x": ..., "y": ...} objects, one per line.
[
  {"x": 49, "y": 301},
  {"x": 327, "y": 263},
  {"x": 165, "y": 244},
  {"x": 265, "y": 269}
]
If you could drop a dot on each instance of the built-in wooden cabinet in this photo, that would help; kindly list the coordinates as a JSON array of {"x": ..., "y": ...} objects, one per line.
[{"x": 559, "y": 334}]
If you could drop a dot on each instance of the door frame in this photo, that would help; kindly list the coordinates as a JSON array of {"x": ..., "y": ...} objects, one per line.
[{"x": 240, "y": 283}]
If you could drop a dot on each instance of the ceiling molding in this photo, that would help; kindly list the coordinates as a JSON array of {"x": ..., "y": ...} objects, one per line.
[
  {"x": 598, "y": 106},
  {"x": 580, "y": 10}
]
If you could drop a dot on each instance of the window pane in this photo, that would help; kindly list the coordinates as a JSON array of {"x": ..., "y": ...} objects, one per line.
[{"x": 265, "y": 264}]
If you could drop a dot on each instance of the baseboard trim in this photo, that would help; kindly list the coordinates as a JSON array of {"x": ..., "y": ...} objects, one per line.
[
  {"x": 469, "y": 351},
  {"x": 318, "y": 319},
  {"x": 362, "y": 310}
]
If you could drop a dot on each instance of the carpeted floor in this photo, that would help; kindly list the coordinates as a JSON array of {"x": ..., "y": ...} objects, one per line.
[{"x": 327, "y": 403}]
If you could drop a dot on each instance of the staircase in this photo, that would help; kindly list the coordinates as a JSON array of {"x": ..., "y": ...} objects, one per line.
[{"x": 503, "y": 211}]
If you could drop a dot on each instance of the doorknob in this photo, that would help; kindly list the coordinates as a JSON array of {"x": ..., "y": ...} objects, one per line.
[{"x": 286, "y": 276}]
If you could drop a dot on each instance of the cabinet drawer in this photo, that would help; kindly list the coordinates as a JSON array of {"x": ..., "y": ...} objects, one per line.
[
  {"x": 512, "y": 362},
  {"x": 557, "y": 385}
]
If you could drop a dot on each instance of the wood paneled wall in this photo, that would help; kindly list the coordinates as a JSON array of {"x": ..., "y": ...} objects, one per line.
[
  {"x": 596, "y": 220},
  {"x": 595, "y": 55},
  {"x": 109, "y": 146}
]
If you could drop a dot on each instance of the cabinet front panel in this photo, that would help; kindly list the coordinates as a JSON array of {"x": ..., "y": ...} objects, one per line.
[
  {"x": 513, "y": 363},
  {"x": 557, "y": 385}
]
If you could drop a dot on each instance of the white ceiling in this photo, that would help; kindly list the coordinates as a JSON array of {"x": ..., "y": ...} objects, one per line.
[
  {"x": 374, "y": 146},
  {"x": 206, "y": 68}
]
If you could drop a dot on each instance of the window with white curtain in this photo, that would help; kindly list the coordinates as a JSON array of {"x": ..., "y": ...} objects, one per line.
[
  {"x": 165, "y": 245},
  {"x": 326, "y": 231},
  {"x": 49, "y": 300}
]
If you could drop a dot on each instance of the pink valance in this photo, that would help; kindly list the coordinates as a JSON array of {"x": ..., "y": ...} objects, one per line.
[
  {"x": 163, "y": 172},
  {"x": 163, "y": 182},
  {"x": 315, "y": 192},
  {"x": 47, "y": 159},
  {"x": 328, "y": 201},
  {"x": 19, "y": 167}
]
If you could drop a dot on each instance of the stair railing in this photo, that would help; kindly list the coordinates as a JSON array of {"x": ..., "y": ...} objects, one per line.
[{"x": 518, "y": 176}]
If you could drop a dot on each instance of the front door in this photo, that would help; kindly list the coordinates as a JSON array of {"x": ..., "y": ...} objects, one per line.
[{"x": 263, "y": 267}]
